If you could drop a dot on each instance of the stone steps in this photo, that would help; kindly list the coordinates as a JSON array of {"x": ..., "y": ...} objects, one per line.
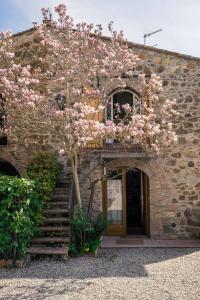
[
  {"x": 56, "y": 211},
  {"x": 58, "y": 205},
  {"x": 193, "y": 230},
  {"x": 62, "y": 184},
  {"x": 55, "y": 220},
  {"x": 51, "y": 240},
  {"x": 194, "y": 221},
  {"x": 48, "y": 250},
  {"x": 195, "y": 212},
  {"x": 59, "y": 197},
  {"x": 60, "y": 191},
  {"x": 55, "y": 230},
  {"x": 54, "y": 201}
]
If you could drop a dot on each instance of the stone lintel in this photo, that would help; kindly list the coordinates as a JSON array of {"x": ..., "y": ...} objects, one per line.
[{"x": 126, "y": 155}]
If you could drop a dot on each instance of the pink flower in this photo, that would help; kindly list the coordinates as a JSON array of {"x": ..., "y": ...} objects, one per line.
[{"x": 61, "y": 152}]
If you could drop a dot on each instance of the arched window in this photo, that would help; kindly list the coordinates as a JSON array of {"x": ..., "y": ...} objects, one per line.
[{"x": 120, "y": 98}]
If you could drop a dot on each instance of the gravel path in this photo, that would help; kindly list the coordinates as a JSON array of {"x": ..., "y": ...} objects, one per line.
[{"x": 160, "y": 274}]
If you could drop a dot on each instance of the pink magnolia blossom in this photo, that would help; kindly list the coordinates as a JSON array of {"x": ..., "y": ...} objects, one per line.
[{"x": 80, "y": 65}]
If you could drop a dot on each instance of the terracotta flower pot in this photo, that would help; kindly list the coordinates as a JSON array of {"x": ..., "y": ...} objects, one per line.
[
  {"x": 2, "y": 263},
  {"x": 9, "y": 263},
  {"x": 19, "y": 263}
]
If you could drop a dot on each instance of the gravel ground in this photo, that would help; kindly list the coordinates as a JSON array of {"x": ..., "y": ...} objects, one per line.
[{"x": 160, "y": 274}]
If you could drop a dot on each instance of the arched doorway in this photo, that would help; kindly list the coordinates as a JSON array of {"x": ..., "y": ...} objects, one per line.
[
  {"x": 160, "y": 190},
  {"x": 7, "y": 169},
  {"x": 126, "y": 202}
]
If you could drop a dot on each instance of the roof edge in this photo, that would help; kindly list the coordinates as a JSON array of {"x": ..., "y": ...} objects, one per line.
[
  {"x": 135, "y": 45},
  {"x": 23, "y": 32},
  {"x": 164, "y": 51}
]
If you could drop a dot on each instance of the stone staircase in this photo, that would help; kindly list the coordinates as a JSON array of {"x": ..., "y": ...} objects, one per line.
[
  {"x": 55, "y": 231},
  {"x": 193, "y": 226}
]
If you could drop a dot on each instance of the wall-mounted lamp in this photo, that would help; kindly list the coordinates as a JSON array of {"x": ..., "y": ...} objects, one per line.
[{"x": 60, "y": 99}]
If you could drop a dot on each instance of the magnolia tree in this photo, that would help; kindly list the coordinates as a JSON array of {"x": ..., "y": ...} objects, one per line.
[
  {"x": 20, "y": 98},
  {"x": 78, "y": 63}
]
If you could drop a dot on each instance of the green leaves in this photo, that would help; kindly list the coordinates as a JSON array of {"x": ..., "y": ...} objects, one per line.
[
  {"x": 86, "y": 233},
  {"x": 18, "y": 198},
  {"x": 44, "y": 170},
  {"x": 21, "y": 204}
]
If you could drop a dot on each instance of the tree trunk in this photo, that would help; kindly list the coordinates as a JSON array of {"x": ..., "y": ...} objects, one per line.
[{"x": 74, "y": 163}]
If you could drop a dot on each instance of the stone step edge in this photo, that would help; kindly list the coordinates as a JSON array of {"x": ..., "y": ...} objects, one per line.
[
  {"x": 55, "y": 228},
  {"x": 58, "y": 197},
  {"x": 193, "y": 229},
  {"x": 57, "y": 203},
  {"x": 59, "y": 189},
  {"x": 56, "y": 220},
  {"x": 61, "y": 196},
  {"x": 50, "y": 240},
  {"x": 194, "y": 221},
  {"x": 49, "y": 250},
  {"x": 54, "y": 211}
]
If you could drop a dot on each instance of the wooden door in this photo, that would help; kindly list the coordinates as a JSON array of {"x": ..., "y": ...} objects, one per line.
[{"x": 114, "y": 204}]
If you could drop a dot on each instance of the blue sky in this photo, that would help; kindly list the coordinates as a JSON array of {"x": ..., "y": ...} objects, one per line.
[{"x": 179, "y": 19}]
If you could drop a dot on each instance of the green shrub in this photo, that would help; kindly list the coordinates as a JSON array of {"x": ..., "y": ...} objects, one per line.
[
  {"x": 21, "y": 204},
  {"x": 86, "y": 233},
  {"x": 20, "y": 214},
  {"x": 44, "y": 169}
]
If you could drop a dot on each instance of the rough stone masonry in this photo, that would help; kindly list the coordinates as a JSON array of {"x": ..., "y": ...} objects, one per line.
[{"x": 174, "y": 177}]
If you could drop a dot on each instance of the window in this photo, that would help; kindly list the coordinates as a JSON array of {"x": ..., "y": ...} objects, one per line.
[
  {"x": 120, "y": 98},
  {"x": 114, "y": 199}
]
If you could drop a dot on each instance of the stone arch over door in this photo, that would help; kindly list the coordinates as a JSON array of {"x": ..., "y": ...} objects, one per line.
[{"x": 159, "y": 189}]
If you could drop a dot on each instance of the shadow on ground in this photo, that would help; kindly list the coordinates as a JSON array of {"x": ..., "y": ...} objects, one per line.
[{"x": 49, "y": 278}]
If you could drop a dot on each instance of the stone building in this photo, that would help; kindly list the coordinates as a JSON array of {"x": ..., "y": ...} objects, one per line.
[{"x": 158, "y": 196}]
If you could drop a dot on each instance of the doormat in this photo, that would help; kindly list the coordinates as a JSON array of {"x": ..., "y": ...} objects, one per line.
[{"x": 129, "y": 242}]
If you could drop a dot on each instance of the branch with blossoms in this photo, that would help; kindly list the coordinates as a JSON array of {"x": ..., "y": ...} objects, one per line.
[
  {"x": 19, "y": 91},
  {"x": 94, "y": 179},
  {"x": 77, "y": 57},
  {"x": 77, "y": 62}
]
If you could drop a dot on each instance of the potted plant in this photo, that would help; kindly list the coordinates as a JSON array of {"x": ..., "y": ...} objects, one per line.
[{"x": 86, "y": 233}]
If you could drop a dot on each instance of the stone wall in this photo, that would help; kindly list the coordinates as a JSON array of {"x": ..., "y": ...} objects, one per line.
[
  {"x": 174, "y": 177},
  {"x": 175, "y": 194},
  {"x": 20, "y": 151},
  {"x": 181, "y": 79}
]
